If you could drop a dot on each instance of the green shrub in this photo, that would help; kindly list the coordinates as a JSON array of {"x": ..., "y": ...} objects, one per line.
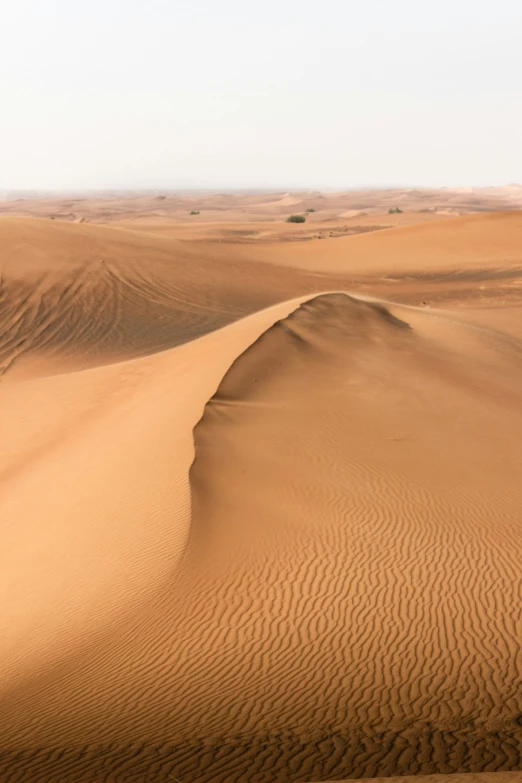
[
  {"x": 394, "y": 211},
  {"x": 195, "y": 212},
  {"x": 310, "y": 210},
  {"x": 296, "y": 219}
]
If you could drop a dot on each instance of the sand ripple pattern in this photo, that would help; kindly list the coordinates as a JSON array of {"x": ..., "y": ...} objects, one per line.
[{"x": 349, "y": 603}]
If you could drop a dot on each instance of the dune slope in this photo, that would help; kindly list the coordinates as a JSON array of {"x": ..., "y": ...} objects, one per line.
[
  {"x": 75, "y": 296},
  {"x": 464, "y": 244},
  {"x": 346, "y": 603}
]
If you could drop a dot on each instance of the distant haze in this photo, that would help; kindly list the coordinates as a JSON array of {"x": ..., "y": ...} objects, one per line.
[{"x": 277, "y": 94}]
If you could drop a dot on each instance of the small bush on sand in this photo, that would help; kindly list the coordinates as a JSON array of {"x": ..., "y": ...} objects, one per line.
[
  {"x": 195, "y": 212},
  {"x": 296, "y": 219},
  {"x": 394, "y": 211},
  {"x": 310, "y": 210}
]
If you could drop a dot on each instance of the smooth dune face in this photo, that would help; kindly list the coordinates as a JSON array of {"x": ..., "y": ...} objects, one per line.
[
  {"x": 288, "y": 550},
  {"x": 469, "y": 244}
]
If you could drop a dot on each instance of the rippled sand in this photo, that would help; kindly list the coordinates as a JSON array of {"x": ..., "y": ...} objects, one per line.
[{"x": 260, "y": 505}]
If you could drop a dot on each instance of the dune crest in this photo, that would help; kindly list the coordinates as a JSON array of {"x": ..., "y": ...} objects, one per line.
[
  {"x": 256, "y": 529},
  {"x": 350, "y": 608}
]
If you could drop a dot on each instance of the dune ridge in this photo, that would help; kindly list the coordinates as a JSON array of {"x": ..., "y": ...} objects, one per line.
[
  {"x": 327, "y": 573},
  {"x": 286, "y": 550}
]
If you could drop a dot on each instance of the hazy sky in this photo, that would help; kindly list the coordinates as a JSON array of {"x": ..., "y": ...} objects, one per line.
[{"x": 278, "y": 93}]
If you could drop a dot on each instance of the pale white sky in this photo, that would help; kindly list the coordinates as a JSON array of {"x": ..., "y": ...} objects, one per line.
[{"x": 277, "y": 93}]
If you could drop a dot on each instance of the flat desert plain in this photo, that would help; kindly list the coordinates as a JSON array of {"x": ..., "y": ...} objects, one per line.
[{"x": 261, "y": 497}]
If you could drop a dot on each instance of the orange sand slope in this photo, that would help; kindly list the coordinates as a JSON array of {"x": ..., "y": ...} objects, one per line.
[
  {"x": 287, "y": 550},
  {"x": 74, "y": 296},
  {"x": 466, "y": 244}
]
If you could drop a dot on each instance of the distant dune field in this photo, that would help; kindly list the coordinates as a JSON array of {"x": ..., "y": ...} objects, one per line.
[{"x": 260, "y": 501}]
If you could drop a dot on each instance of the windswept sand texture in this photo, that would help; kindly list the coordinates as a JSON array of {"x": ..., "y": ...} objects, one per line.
[{"x": 260, "y": 508}]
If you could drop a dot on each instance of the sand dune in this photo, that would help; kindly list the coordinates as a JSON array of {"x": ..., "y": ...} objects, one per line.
[
  {"x": 465, "y": 243},
  {"x": 226, "y": 207},
  {"x": 75, "y": 296},
  {"x": 286, "y": 549}
]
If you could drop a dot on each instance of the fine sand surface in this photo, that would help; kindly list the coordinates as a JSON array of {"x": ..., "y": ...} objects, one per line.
[{"x": 260, "y": 508}]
